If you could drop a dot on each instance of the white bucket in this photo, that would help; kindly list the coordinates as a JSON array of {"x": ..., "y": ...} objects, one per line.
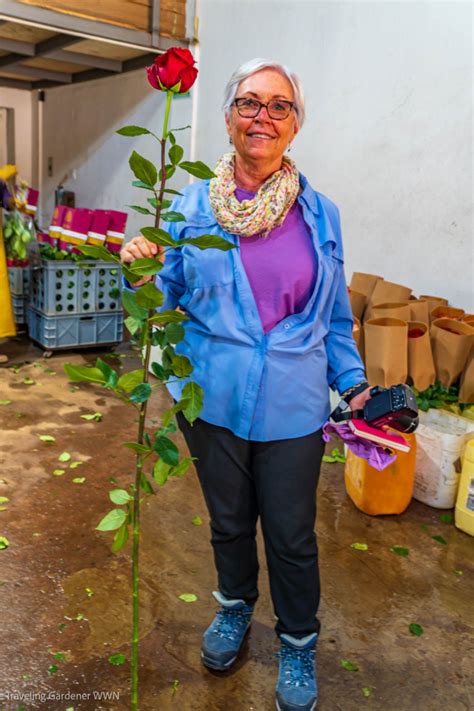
[{"x": 441, "y": 437}]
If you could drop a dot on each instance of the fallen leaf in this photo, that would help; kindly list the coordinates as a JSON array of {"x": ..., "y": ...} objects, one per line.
[
  {"x": 349, "y": 666},
  {"x": 4, "y": 543},
  {"x": 96, "y": 416},
  {"x": 196, "y": 520},
  {"x": 89, "y": 592},
  {"x": 360, "y": 546},
  {"x": 174, "y": 686},
  {"x": 58, "y": 472},
  {"x": 53, "y": 669},
  {"x": 117, "y": 659},
  {"x": 79, "y": 480},
  {"x": 458, "y": 572},
  {"x": 366, "y": 691},
  {"x": 60, "y": 656},
  {"x": 3, "y": 499},
  {"x": 5, "y": 402},
  {"x": 74, "y": 465},
  {"x": 400, "y": 550},
  {"x": 28, "y": 381},
  {"x": 47, "y": 438},
  {"x": 416, "y": 629},
  {"x": 188, "y": 597},
  {"x": 446, "y": 518},
  {"x": 440, "y": 539},
  {"x": 3, "y": 508},
  {"x": 64, "y": 457}
]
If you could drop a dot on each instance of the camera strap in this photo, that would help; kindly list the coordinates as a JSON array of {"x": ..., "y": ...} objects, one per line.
[{"x": 341, "y": 413}]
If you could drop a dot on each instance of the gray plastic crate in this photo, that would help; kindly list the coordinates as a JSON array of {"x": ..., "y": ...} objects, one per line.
[
  {"x": 53, "y": 332},
  {"x": 65, "y": 288},
  {"x": 19, "y": 278},
  {"x": 19, "y": 304}
]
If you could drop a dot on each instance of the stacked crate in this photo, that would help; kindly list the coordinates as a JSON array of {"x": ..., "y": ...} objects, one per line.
[
  {"x": 19, "y": 278},
  {"x": 75, "y": 304}
]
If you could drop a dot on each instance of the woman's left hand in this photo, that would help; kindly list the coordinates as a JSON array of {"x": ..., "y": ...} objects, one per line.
[{"x": 358, "y": 402}]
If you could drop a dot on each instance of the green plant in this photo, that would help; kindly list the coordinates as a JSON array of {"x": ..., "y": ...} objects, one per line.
[{"x": 156, "y": 455}]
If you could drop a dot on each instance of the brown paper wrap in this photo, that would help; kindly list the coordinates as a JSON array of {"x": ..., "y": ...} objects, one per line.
[
  {"x": 466, "y": 390},
  {"x": 356, "y": 331},
  {"x": 386, "y": 351},
  {"x": 434, "y": 301},
  {"x": 419, "y": 311},
  {"x": 421, "y": 368},
  {"x": 358, "y": 303},
  {"x": 386, "y": 292},
  {"x": 443, "y": 311},
  {"x": 364, "y": 283},
  {"x": 392, "y": 310},
  {"x": 451, "y": 342},
  {"x": 468, "y": 318}
]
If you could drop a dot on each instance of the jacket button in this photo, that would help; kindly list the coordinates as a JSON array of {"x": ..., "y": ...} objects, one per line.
[{"x": 286, "y": 325}]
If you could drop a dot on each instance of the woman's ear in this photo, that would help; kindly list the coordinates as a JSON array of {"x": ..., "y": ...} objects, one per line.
[{"x": 228, "y": 125}]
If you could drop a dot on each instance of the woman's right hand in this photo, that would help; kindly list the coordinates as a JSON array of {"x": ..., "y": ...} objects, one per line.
[{"x": 140, "y": 248}]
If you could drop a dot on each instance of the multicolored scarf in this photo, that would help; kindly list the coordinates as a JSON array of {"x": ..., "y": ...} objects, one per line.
[{"x": 265, "y": 211}]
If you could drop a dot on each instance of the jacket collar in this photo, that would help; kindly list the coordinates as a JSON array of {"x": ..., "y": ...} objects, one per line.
[{"x": 308, "y": 195}]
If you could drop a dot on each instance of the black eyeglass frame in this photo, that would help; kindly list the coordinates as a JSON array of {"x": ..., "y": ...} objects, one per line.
[{"x": 291, "y": 104}]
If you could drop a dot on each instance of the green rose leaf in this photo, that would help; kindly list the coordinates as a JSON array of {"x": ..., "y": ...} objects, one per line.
[
  {"x": 84, "y": 373},
  {"x": 349, "y": 666},
  {"x": 154, "y": 202},
  {"x": 360, "y": 546},
  {"x": 195, "y": 394},
  {"x": 4, "y": 543},
  {"x": 47, "y": 438},
  {"x": 129, "y": 381},
  {"x": 141, "y": 210},
  {"x": 208, "y": 241},
  {"x": 400, "y": 550},
  {"x": 120, "y": 496},
  {"x": 132, "y": 131},
  {"x": 149, "y": 296},
  {"x": 110, "y": 375},
  {"x": 196, "y": 521},
  {"x": 446, "y": 518},
  {"x": 141, "y": 184},
  {"x": 178, "y": 407},
  {"x": 120, "y": 538},
  {"x": 188, "y": 597},
  {"x": 158, "y": 236},
  {"x": 170, "y": 170},
  {"x": 366, "y": 691},
  {"x": 4, "y": 499},
  {"x": 158, "y": 371},
  {"x": 458, "y": 572},
  {"x": 175, "y": 154},
  {"x": 93, "y": 417},
  {"x": 5, "y": 402},
  {"x": 143, "y": 169},
  {"x": 58, "y": 472},
  {"x": 146, "y": 267},
  {"x": 161, "y": 472},
  {"x": 181, "y": 366},
  {"x": 129, "y": 300},
  {"x": 167, "y": 450},
  {"x": 139, "y": 448},
  {"x": 182, "y": 467},
  {"x": 141, "y": 393},
  {"x": 113, "y": 520},
  {"x": 174, "y": 333},
  {"x": 198, "y": 169},
  {"x": 168, "y": 317},
  {"x": 64, "y": 457},
  {"x": 440, "y": 539},
  {"x": 172, "y": 216},
  {"x": 145, "y": 485},
  {"x": 74, "y": 465},
  {"x": 415, "y": 629},
  {"x": 133, "y": 324},
  {"x": 99, "y": 253},
  {"x": 79, "y": 480}
]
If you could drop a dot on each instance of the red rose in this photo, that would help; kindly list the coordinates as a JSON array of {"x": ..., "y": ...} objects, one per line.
[{"x": 175, "y": 66}]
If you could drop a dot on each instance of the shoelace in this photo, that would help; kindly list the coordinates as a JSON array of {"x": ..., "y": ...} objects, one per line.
[
  {"x": 230, "y": 622},
  {"x": 298, "y": 665}
]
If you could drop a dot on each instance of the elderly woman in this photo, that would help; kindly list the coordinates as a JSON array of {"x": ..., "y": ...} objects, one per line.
[{"x": 269, "y": 328}]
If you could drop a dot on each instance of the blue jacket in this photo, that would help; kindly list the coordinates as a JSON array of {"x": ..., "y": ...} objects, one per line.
[{"x": 261, "y": 387}]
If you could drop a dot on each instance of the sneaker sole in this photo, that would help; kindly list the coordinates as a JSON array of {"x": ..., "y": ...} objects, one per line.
[{"x": 279, "y": 707}]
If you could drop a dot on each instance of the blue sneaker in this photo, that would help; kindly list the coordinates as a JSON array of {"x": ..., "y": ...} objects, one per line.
[
  {"x": 223, "y": 638},
  {"x": 296, "y": 688}
]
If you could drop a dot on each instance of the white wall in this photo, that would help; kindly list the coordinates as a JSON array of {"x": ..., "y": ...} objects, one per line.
[
  {"x": 79, "y": 124},
  {"x": 388, "y": 135},
  {"x": 24, "y": 104}
]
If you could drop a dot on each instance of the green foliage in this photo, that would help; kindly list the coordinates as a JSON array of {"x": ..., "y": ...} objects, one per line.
[
  {"x": 400, "y": 550},
  {"x": 120, "y": 496},
  {"x": 146, "y": 267},
  {"x": 436, "y": 396},
  {"x": 181, "y": 468},
  {"x": 113, "y": 520},
  {"x": 181, "y": 366},
  {"x": 140, "y": 209},
  {"x": 139, "y": 448},
  {"x": 132, "y": 131},
  {"x": 158, "y": 236},
  {"x": 177, "y": 407},
  {"x": 129, "y": 300},
  {"x": 149, "y": 296},
  {"x": 198, "y": 169},
  {"x": 173, "y": 217},
  {"x": 207, "y": 241},
  {"x": 141, "y": 393},
  {"x": 141, "y": 184},
  {"x": 120, "y": 538},
  {"x": 167, "y": 450},
  {"x": 110, "y": 375},
  {"x": 84, "y": 373},
  {"x": 174, "y": 333},
  {"x": 129, "y": 381},
  {"x": 175, "y": 153},
  {"x": 195, "y": 394},
  {"x": 440, "y": 539},
  {"x": 164, "y": 317},
  {"x": 415, "y": 629},
  {"x": 90, "y": 250},
  {"x": 161, "y": 472},
  {"x": 143, "y": 169},
  {"x": 133, "y": 324},
  {"x": 349, "y": 666},
  {"x": 145, "y": 485}
]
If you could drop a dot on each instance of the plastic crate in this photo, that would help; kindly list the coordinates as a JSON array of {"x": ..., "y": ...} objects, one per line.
[
  {"x": 53, "y": 332},
  {"x": 65, "y": 288},
  {"x": 19, "y": 278},
  {"x": 19, "y": 304}
]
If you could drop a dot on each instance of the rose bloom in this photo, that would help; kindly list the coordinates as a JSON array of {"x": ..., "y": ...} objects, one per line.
[{"x": 175, "y": 66}]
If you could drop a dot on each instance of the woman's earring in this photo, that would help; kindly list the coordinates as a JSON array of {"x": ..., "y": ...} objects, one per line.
[
  {"x": 289, "y": 147},
  {"x": 231, "y": 141}
]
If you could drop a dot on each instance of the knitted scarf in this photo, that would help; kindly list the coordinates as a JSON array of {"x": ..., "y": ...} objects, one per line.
[{"x": 265, "y": 211}]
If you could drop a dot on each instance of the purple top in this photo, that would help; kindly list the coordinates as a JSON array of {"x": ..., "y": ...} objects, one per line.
[
  {"x": 281, "y": 267},
  {"x": 4, "y": 195}
]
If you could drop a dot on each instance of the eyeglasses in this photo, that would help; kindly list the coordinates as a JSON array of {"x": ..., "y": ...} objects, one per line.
[{"x": 277, "y": 109}]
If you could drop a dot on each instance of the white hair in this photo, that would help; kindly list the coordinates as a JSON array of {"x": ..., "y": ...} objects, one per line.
[{"x": 252, "y": 67}]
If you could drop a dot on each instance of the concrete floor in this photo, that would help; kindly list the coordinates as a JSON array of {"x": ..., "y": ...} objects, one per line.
[{"x": 369, "y": 598}]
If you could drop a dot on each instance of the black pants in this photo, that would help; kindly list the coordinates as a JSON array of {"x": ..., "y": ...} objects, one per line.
[{"x": 277, "y": 481}]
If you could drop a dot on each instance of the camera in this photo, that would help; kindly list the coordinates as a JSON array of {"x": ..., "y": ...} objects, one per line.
[{"x": 395, "y": 406}]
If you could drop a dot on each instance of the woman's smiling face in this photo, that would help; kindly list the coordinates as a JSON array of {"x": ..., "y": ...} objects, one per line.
[{"x": 263, "y": 138}]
